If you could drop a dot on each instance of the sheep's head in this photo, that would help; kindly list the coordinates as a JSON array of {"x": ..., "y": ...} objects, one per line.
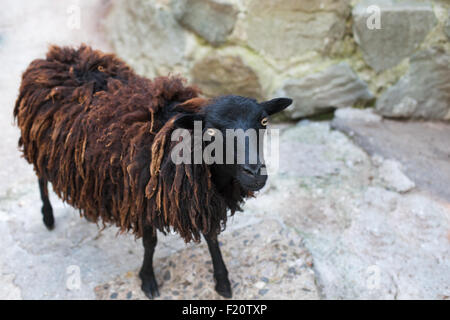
[{"x": 235, "y": 126}]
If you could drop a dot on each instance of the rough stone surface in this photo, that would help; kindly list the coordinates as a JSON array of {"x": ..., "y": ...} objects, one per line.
[
  {"x": 447, "y": 26},
  {"x": 9, "y": 290},
  {"x": 148, "y": 36},
  {"x": 364, "y": 115},
  {"x": 404, "y": 25},
  {"x": 424, "y": 92},
  {"x": 367, "y": 242},
  {"x": 265, "y": 261},
  {"x": 336, "y": 87},
  {"x": 419, "y": 146},
  {"x": 393, "y": 178},
  {"x": 271, "y": 26},
  {"x": 211, "y": 19},
  {"x": 278, "y": 40},
  {"x": 226, "y": 74}
]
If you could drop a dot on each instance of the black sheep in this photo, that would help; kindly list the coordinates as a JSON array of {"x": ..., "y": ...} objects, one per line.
[{"x": 102, "y": 136}]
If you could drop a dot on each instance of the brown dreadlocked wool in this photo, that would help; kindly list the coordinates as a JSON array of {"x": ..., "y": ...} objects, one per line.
[{"x": 102, "y": 136}]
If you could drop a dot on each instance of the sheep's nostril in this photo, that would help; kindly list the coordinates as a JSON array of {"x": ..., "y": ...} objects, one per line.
[
  {"x": 252, "y": 170},
  {"x": 248, "y": 171}
]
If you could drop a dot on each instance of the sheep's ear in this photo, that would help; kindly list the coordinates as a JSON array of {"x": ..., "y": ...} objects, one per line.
[
  {"x": 275, "y": 105},
  {"x": 186, "y": 121}
]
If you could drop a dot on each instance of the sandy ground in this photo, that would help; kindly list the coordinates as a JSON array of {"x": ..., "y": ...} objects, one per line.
[{"x": 338, "y": 221}]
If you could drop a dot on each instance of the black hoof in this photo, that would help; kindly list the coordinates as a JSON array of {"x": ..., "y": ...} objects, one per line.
[
  {"x": 223, "y": 287},
  {"x": 50, "y": 226},
  {"x": 48, "y": 219},
  {"x": 150, "y": 288}
]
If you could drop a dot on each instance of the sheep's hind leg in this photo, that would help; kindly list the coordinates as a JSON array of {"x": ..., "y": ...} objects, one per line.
[
  {"x": 47, "y": 210},
  {"x": 149, "y": 285},
  {"x": 223, "y": 286}
]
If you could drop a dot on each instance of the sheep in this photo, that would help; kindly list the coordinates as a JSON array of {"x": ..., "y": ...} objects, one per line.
[{"x": 101, "y": 135}]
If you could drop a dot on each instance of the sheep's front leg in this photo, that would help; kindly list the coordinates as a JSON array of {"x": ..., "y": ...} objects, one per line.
[
  {"x": 223, "y": 286},
  {"x": 149, "y": 285}
]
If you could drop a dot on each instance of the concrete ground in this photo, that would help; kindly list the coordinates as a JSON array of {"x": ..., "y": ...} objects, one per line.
[{"x": 354, "y": 213}]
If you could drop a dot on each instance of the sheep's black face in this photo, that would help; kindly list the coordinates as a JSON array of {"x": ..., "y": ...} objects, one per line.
[{"x": 236, "y": 125}]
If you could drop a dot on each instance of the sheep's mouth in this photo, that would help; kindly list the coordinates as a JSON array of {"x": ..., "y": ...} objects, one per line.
[
  {"x": 251, "y": 182},
  {"x": 253, "y": 187}
]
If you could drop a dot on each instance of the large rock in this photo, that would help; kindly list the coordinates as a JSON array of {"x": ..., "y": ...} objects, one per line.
[
  {"x": 403, "y": 27},
  {"x": 211, "y": 19},
  {"x": 219, "y": 74},
  {"x": 283, "y": 28},
  {"x": 336, "y": 87},
  {"x": 147, "y": 36},
  {"x": 424, "y": 92}
]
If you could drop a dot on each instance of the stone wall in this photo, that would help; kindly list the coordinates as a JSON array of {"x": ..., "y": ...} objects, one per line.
[{"x": 325, "y": 54}]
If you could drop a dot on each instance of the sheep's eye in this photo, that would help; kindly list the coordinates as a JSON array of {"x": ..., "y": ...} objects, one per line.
[
  {"x": 264, "y": 121},
  {"x": 211, "y": 132}
]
